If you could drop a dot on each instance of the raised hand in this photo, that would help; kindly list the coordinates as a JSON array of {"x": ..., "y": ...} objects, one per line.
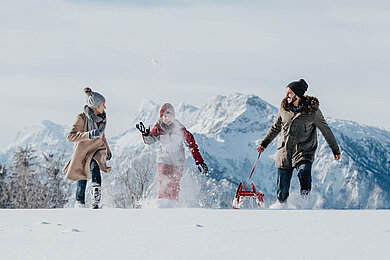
[{"x": 144, "y": 131}]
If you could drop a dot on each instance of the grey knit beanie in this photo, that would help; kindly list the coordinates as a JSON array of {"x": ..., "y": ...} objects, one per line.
[{"x": 94, "y": 99}]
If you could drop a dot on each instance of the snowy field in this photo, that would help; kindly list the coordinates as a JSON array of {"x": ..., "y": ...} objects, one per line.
[{"x": 194, "y": 234}]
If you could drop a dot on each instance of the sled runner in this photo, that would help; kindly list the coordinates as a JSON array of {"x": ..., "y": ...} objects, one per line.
[{"x": 254, "y": 194}]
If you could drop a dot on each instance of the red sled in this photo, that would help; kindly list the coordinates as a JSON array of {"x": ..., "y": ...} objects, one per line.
[{"x": 254, "y": 194}]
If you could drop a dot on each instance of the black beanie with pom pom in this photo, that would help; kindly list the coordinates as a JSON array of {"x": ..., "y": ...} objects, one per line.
[{"x": 298, "y": 87}]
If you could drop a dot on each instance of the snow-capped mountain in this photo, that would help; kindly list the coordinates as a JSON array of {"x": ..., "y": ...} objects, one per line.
[
  {"x": 47, "y": 137},
  {"x": 362, "y": 177},
  {"x": 227, "y": 130}
]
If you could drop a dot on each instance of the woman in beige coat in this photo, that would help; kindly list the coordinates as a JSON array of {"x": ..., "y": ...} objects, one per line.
[{"x": 91, "y": 149}]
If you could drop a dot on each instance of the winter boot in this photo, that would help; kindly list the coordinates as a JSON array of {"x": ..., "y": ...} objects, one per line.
[
  {"x": 279, "y": 205},
  {"x": 79, "y": 205},
  {"x": 96, "y": 195}
]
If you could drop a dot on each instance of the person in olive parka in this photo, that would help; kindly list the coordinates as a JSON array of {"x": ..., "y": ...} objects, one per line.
[{"x": 298, "y": 119}]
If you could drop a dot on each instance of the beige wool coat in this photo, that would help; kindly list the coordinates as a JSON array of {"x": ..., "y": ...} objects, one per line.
[{"x": 85, "y": 149}]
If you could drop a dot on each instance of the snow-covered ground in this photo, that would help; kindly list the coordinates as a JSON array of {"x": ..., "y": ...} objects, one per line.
[{"x": 194, "y": 234}]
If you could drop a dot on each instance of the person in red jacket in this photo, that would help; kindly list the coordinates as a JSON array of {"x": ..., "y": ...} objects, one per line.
[{"x": 171, "y": 135}]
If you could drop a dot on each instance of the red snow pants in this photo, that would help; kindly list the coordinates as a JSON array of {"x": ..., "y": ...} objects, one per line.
[{"x": 169, "y": 177}]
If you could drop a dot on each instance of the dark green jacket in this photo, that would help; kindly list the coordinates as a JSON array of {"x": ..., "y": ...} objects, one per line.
[{"x": 299, "y": 133}]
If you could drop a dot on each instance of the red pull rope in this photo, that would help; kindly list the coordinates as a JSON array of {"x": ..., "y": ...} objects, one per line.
[{"x": 254, "y": 167}]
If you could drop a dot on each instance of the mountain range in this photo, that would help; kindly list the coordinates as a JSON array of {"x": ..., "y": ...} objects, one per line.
[{"x": 228, "y": 129}]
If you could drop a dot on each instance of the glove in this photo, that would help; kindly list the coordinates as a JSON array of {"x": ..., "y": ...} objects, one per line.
[
  {"x": 260, "y": 148},
  {"x": 94, "y": 134},
  {"x": 108, "y": 156},
  {"x": 144, "y": 131},
  {"x": 202, "y": 167}
]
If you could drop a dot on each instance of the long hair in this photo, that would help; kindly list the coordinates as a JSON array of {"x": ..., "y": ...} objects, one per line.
[{"x": 311, "y": 104}]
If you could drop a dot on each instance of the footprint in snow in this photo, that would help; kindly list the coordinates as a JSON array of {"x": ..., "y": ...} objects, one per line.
[
  {"x": 45, "y": 223},
  {"x": 70, "y": 231}
]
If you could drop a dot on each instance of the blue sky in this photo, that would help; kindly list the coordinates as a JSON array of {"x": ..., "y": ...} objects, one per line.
[{"x": 187, "y": 51}]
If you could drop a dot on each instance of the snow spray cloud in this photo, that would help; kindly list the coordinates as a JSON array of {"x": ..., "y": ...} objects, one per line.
[{"x": 201, "y": 191}]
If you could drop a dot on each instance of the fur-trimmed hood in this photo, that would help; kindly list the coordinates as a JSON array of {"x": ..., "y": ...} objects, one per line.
[
  {"x": 298, "y": 128},
  {"x": 311, "y": 104}
]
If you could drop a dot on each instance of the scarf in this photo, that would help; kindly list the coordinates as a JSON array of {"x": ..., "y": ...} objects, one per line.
[
  {"x": 299, "y": 108},
  {"x": 93, "y": 121}
]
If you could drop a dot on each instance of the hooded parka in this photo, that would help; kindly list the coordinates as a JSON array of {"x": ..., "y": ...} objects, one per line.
[{"x": 298, "y": 141}]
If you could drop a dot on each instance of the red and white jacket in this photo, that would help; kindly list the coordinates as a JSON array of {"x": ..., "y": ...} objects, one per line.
[{"x": 172, "y": 139}]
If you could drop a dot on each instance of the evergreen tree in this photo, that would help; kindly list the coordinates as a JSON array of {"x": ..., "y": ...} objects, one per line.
[
  {"x": 25, "y": 188},
  {"x": 3, "y": 187},
  {"x": 57, "y": 188},
  {"x": 33, "y": 184}
]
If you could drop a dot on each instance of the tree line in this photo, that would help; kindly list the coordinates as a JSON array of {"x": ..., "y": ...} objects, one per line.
[{"x": 31, "y": 181}]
